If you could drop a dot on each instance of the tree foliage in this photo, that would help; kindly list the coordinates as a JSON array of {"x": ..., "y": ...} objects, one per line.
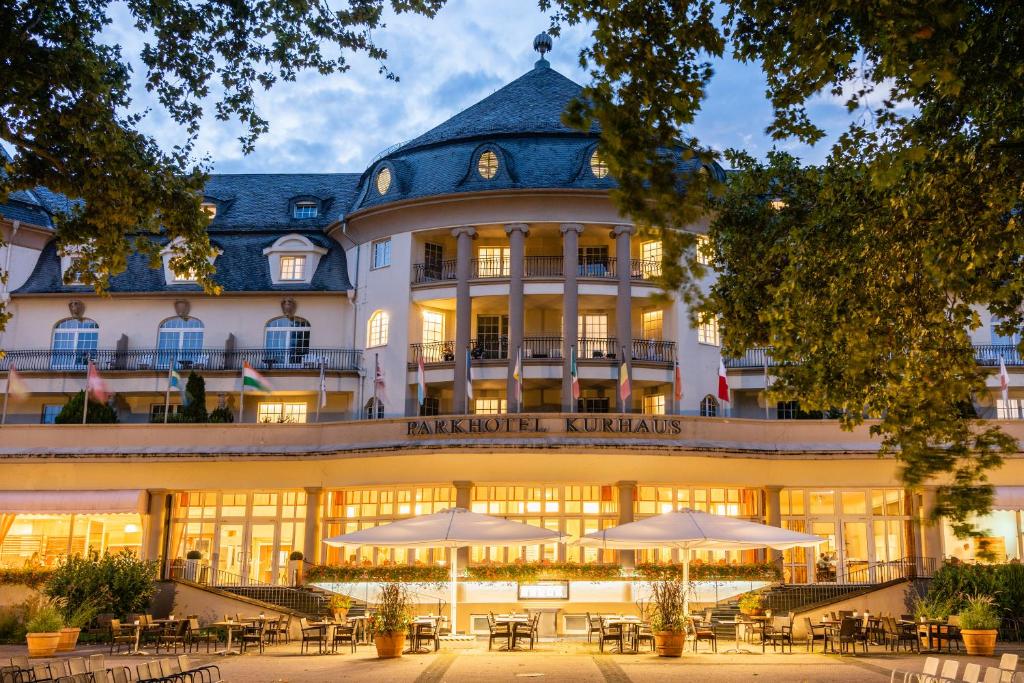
[
  {"x": 71, "y": 413},
  {"x": 120, "y": 583},
  {"x": 195, "y": 408}
]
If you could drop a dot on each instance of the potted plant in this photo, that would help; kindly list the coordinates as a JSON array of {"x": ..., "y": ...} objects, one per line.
[
  {"x": 295, "y": 566},
  {"x": 74, "y": 621},
  {"x": 669, "y": 618},
  {"x": 192, "y": 558},
  {"x": 391, "y": 620},
  {"x": 752, "y": 604},
  {"x": 339, "y": 605},
  {"x": 43, "y": 629},
  {"x": 979, "y": 625}
]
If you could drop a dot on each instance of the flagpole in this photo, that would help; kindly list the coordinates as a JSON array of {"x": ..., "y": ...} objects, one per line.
[
  {"x": 7, "y": 397},
  {"x": 376, "y": 368},
  {"x": 85, "y": 397},
  {"x": 766, "y": 412},
  {"x": 320, "y": 392},
  {"x": 241, "y": 398},
  {"x": 167, "y": 393}
]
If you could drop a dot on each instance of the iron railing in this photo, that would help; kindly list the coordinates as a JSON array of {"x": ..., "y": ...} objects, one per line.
[
  {"x": 984, "y": 354},
  {"x": 433, "y": 272},
  {"x": 535, "y": 348},
  {"x": 543, "y": 266},
  {"x": 289, "y": 597},
  {"x": 599, "y": 349},
  {"x": 489, "y": 348},
  {"x": 654, "y": 351},
  {"x": 600, "y": 267},
  {"x": 500, "y": 267},
  {"x": 138, "y": 360},
  {"x": 644, "y": 269},
  {"x": 433, "y": 352}
]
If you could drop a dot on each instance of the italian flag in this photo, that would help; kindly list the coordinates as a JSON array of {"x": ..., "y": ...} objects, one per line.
[
  {"x": 575, "y": 373},
  {"x": 254, "y": 381}
]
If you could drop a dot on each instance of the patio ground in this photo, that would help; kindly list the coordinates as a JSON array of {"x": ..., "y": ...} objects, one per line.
[{"x": 559, "y": 661}]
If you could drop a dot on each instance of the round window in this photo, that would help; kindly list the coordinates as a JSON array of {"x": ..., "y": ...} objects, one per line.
[
  {"x": 598, "y": 166},
  {"x": 487, "y": 165},
  {"x": 383, "y": 180}
]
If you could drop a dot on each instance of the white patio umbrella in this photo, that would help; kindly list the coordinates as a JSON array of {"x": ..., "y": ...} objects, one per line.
[
  {"x": 452, "y": 528},
  {"x": 691, "y": 529}
]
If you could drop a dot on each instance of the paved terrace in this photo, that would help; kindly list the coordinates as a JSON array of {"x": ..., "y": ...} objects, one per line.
[{"x": 560, "y": 661}]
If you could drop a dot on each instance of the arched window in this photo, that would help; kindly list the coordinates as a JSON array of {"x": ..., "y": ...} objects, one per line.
[
  {"x": 377, "y": 329},
  {"x": 179, "y": 341},
  {"x": 709, "y": 406},
  {"x": 374, "y": 409},
  {"x": 74, "y": 343},
  {"x": 287, "y": 340}
]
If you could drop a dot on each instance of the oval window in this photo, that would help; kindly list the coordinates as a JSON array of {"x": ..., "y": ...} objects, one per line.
[
  {"x": 383, "y": 180},
  {"x": 487, "y": 165},
  {"x": 598, "y": 166}
]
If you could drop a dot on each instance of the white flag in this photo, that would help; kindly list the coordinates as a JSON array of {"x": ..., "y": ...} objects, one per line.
[
  {"x": 1004, "y": 380},
  {"x": 323, "y": 387}
]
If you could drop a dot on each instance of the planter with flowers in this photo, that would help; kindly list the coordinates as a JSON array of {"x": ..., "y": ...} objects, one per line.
[
  {"x": 339, "y": 605},
  {"x": 668, "y": 622},
  {"x": 979, "y": 625},
  {"x": 752, "y": 604}
]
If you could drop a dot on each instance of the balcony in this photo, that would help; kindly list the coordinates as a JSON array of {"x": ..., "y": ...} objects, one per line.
[
  {"x": 534, "y": 267},
  {"x": 544, "y": 348},
  {"x": 985, "y": 354},
  {"x": 141, "y": 360}
]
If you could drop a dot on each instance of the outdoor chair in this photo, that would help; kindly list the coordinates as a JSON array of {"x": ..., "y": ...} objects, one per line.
[
  {"x": 282, "y": 630},
  {"x": 424, "y": 633},
  {"x": 346, "y": 634},
  {"x": 644, "y": 634},
  {"x": 705, "y": 630},
  {"x": 849, "y": 635},
  {"x": 993, "y": 675},
  {"x": 312, "y": 634},
  {"x": 527, "y": 631},
  {"x": 613, "y": 634},
  {"x": 197, "y": 635},
  {"x": 97, "y": 662},
  {"x": 972, "y": 673},
  {"x": 208, "y": 673},
  {"x": 121, "y": 674},
  {"x": 76, "y": 665},
  {"x": 779, "y": 633},
  {"x": 593, "y": 626},
  {"x": 119, "y": 636},
  {"x": 173, "y": 636},
  {"x": 498, "y": 631},
  {"x": 928, "y": 671},
  {"x": 254, "y": 635},
  {"x": 816, "y": 632}
]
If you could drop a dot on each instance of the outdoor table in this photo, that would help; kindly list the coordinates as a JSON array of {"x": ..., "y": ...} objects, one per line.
[
  {"x": 414, "y": 646},
  {"x": 735, "y": 624},
  {"x": 230, "y": 627},
  {"x": 932, "y": 629},
  {"x": 633, "y": 625},
  {"x": 138, "y": 634},
  {"x": 511, "y": 620}
]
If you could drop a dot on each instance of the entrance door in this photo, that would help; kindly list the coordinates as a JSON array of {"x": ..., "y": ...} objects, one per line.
[
  {"x": 231, "y": 554},
  {"x": 261, "y": 560}
]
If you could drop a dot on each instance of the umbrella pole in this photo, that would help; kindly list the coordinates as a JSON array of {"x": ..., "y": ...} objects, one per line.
[
  {"x": 454, "y": 586},
  {"x": 686, "y": 582}
]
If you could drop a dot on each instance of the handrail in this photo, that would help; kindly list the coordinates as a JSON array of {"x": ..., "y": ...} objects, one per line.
[
  {"x": 534, "y": 266},
  {"x": 137, "y": 360}
]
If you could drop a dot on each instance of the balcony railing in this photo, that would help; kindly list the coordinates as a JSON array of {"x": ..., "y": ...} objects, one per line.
[
  {"x": 140, "y": 360},
  {"x": 498, "y": 267},
  {"x": 542, "y": 348},
  {"x": 537, "y": 348},
  {"x": 654, "y": 351},
  {"x": 598, "y": 348},
  {"x": 984, "y": 354},
  {"x": 434, "y": 352}
]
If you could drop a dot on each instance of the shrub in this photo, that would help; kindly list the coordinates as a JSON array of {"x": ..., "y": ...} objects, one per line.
[
  {"x": 933, "y": 606},
  {"x": 195, "y": 391},
  {"x": 121, "y": 584},
  {"x": 750, "y": 602},
  {"x": 33, "y": 577},
  {"x": 954, "y": 583},
  {"x": 12, "y": 623},
  {"x": 392, "y": 609},
  {"x": 339, "y": 601},
  {"x": 99, "y": 413},
  {"x": 980, "y": 614},
  {"x": 222, "y": 415},
  {"x": 668, "y": 599},
  {"x": 45, "y": 618}
]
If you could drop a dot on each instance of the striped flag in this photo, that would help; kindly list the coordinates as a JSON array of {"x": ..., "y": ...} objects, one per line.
[
  {"x": 16, "y": 386},
  {"x": 95, "y": 387},
  {"x": 174, "y": 383},
  {"x": 625, "y": 390},
  {"x": 574, "y": 372},
  {"x": 254, "y": 381},
  {"x": 517, "y": 376},
  {"x": 723, "y": 382},
  {"x": 678, "y": 383},
  {"x": 421, "y": 382},
  {"x": 469, "y": 377}
]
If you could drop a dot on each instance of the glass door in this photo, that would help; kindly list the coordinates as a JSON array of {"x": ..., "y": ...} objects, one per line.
[
  {"x": 230, "y": 553},
  {"x": 261, "y": 560}
]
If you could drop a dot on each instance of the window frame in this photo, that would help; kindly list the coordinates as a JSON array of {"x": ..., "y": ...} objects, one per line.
[
  {"x": 654, "y": 404},
  {"x": 299, "y": 409},
  {"x": 709, "y": 406},
  {"x": 378, "y": 247},
  {"x": 485, "y": 169},
  {"x": 378, "y": 329},
  {"x": 301, "y": 206},
  {"x": 298, "y": 270},
  {"x": 77, "y": 353},
  {"x": 708, "y": 333}
]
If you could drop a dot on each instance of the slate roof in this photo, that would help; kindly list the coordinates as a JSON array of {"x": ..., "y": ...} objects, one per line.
[
  {"x": 262, "y": 201},
  {"x": 241, "y": 267}
]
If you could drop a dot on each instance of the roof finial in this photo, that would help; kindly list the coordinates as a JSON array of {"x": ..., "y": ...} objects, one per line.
[{"x": 542, "y": 44}]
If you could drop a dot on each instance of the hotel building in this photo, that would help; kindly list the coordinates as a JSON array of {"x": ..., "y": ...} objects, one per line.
[{"x": 487, "y": 238}]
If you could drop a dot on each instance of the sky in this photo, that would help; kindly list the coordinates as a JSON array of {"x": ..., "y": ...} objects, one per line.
[{"x": 340, "y": 122}]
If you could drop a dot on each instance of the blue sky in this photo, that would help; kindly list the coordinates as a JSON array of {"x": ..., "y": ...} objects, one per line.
[{"x": 473, "y": 47}]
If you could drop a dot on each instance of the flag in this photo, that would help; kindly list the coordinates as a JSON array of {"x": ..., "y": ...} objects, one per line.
[
  {"x": 469, "y": 377},
  {"x": 723, "y": 382},
  {"x": 323, "y": 387},
  {"x": 94, "y": 384},
  {"x": 174, "y": 382},
  {"x": 1004, "y": 380},
  {"x": 421, "y": 382},
  {"x": 574, "y": 372},
  {"x": 378, "y": 376},
  {"x": 678, "y": 383},
  {"x": 254, "y": 381},
  {"x": 16, "y": 386},
  {"x": 517, "y": 375},
  {"x": 625, "y": 391}
]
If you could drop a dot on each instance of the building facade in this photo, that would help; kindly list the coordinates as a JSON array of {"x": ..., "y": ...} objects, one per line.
[{"x": 420, "y": 324}]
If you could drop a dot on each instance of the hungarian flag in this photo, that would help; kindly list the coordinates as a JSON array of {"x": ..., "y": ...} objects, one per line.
[
  {"x": 254, "y": 381},
  {"x": 678, "y": 384},
  {"x": 421, "y": 382},
  {"x": 517, "y": 375},
  {"x": 1004, "y": 380},
  {"x": 625, "y": 391},
  {"x": 16, "y": 386},
  {"x": 723, "y": 382},
  {"x": 575, "y": 374},
  {"x": 94, "y": 384}
]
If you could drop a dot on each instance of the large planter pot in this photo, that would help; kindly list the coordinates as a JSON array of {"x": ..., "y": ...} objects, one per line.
[
  {"x": 669, "y": 643},
  {"x": 68, "y": 639},
  {"x": 389, "y": 644},
  {"x": 979, "y": 642},
  {"x": 42, "y": 644},
  {"x": 339, "y": 614}
]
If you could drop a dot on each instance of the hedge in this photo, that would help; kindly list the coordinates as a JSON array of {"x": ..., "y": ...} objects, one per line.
[
  {"x": 1004, "y": 582},
  {"x": 536, "y": 571},
  {"x": 352, "y": 573},
  {"x": 31, "y": 577}
]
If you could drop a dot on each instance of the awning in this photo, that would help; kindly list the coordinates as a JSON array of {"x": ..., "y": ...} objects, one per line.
[
  {"x": 73, "y": 502},
  {"x": 1009, "y": 498}
]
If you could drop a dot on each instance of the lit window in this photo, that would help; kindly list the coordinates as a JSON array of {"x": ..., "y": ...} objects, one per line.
[
  {"x": 1008, "y": 410},
  {"x": 652, "y": 324},
  {"x": 778, "y": 204},
  {"x": 708, "y": 406},
  {"x": 490, "y": 406},
  {"x": 177, "y": 340},
  {"x": 654, "y": 405},
  {"x": 493, "y": 262},
  {"x": 433, "y": 327},
  {"x": 382, "y": 253},
  {"x": 707, "y": 331},
  {"x": 304, "y": 210},
  {"x": 377, "y": 330},
  {"x": 651, "y": 251},
  {"x": 293, "y": 267},
  {"x": 374, "y": 410},
  {"x": 383, "y": 180},
  {"x": 705, "y": 254},
  {"x": 209, "y": 209},
  {"x": 282, "y": 412},
  {"x": 286, "y": 340},
  {"x": 598, "y": 166},
  {"x": 487, "y": 165}
]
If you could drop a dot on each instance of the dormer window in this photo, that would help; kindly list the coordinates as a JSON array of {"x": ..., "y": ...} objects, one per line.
[
  {"x": 186, "y": 276},
  {"x": 487, "y": 165},
  {"x": 598, "y": 166},
  {"x": 383, "y": 181},
  {"x": 293, "y": 268},
  {"x": 210, "y": 209},
  {"x": 305, "y": 209}
]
